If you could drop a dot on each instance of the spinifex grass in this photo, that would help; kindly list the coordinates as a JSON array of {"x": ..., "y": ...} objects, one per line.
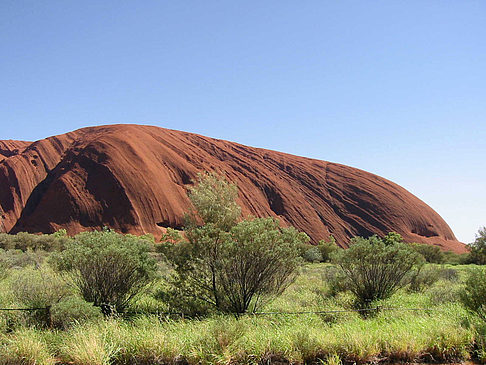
[
  {"x": 404, "y": 337},
  {"x": 396, "y": 336}
]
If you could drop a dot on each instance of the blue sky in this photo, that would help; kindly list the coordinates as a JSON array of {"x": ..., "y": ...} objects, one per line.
[{"x": 397, "y": 88}]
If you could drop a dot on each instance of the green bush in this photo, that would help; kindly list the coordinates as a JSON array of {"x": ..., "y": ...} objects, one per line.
[
  {"x": 312, "y": 254},
  {"x": 375, "y": 270},
  {"x": 25, "y": 241},
  {"x": 423, "y": 277},
  {"x": 73, "y": 310},
  {"x": 108, "y": 269},
  {"x": 392, "y": 238},
  {"x": 453, "y": 258},
  {"x": 235, "y": 271},
  {"x": 229, "y": 266},
  {"x": 473, "y": 296},
  {"x": 430, "y": 253},
  {"x": 478, "y": 248},
  {"x": 15, "y": 258},
  {"x": 321, "y": 252},
  {"x": 38, "y": 288},
  {"x": 336, "y": 280},
  {"x": 328, "y": 248}
]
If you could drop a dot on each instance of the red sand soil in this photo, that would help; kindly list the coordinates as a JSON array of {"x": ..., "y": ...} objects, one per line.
[{"x": 135, "y": 179}]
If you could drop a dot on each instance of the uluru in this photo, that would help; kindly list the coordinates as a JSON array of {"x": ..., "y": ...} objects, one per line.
[{"x": 135, "y": 178}]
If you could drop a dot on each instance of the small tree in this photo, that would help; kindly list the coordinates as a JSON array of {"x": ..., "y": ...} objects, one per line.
[
  {"x": 327, "y": 248},
  {"x": 261, "y": 261},
  {"x": 392, "y": 238},
  {"x": 375, "y": 270},
  {"x": 473, "y": 295},
  {"x": 478, "y": 248},
  {"x": 430, "y": 253},
  {"x": 214, "y": 200},
  {"x": 108, "y": 269},
  {"x": 38, "y": 288},
  {"x": 232, "y": 267}
]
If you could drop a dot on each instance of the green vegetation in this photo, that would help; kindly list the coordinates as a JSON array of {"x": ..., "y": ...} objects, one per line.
[
  {"x": 219, "y": 276},
  {"x": 375, "y": 268},
  {"x": 322, "y": 252},
  {"x": 446, "y": 333},
  {"x": 224, "y": 264},
  {"x": 430, "y": 253},
  {"x": 108, "y": 269},
  {"x": 25, "y": 241},
  {"x": 478, "y": 248},
  {"x": 474, "y": 294}
]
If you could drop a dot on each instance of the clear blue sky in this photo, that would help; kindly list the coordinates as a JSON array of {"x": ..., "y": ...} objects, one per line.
[{"x": 397, "y": 88}]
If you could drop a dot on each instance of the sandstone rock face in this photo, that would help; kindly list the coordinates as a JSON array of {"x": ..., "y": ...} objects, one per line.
[{"x": 135, "y": 179}]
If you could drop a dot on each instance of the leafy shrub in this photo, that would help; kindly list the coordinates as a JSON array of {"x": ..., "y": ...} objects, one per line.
[
  {"x": 449, "y": 274},
  {"x": 473, "y": 296},
  {"x": 232, "y": 267},
  {"x": 312, "y": 254},
  {"x": 392, "y": 238},
  {"x": 328, "y": 248},
  {"x": 444, "y": 292},
  {"x": 375, "y": 270},
  {"x": 321, "y": 252},
  {"x": 38, "y": 288},
  {"x": 478, "y": 248},
  {"x": 108, "y": 269},
  {"x": 423, "y": 277},
  {"x": 453, "y": 258},
  {"x": 15, "y": 258},
  {"x": 73, "y": 310},
  {"x": 336, "y": 280},
  {"x": 24, "y": 241},
  {"x": 430, "y": 253},
  {"x": 238, "y": 270}
]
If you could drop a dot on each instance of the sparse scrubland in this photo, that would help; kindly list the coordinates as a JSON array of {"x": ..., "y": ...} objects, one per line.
[
  {"x": 446, "y": 332},
  {"x": 236, "y": 291}
]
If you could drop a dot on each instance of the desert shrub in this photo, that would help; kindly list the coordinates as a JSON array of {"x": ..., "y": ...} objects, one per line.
[
  {"x": 229, "y": 266},
  {"x": 375, "y": 270},
  {"x": 24, "y": 241},
  {"x": 108, "y": 269},
  {"x": 38, "y": 288},
  {"x": 449, "y": 274},
  {"x": 321, "y": 252},
  {"x": 73, "y": 310},
  {"x": 443, "y": 292},
  {"x": 423, "y": 277},
  {"x": 328, "y": 248},
  {"x": 430, "y": 253},
  {"x": 235, "y": 271},
  {"x": 392, "y": 238},
  {"x": 473, "y": 296},
  {"x": 15, "y": 258},
  {"x": 478, "y": 248},
  {"x": 336, "y": 280},
  {"x": 302, "y": 248},
  {"x": 453, "y": 258},
  {"x": 312, "y": 254},
  {"x": 214, "y": 200}
]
